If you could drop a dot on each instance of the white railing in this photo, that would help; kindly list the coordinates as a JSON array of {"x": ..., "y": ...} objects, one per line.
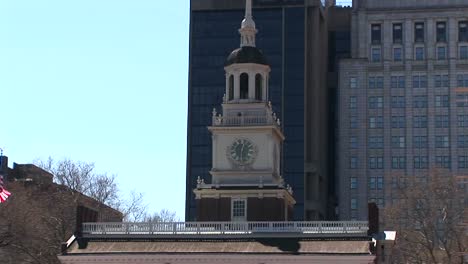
[
  {"x": 358, "y": 228},
  {"x": 243, "y": 121}
]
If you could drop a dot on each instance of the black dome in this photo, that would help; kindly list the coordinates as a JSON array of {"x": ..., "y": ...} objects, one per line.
[{"x": 246, "y": 54}]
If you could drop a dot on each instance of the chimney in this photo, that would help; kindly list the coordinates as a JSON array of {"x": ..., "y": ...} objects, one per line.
[{"x": 3, "y": 164}]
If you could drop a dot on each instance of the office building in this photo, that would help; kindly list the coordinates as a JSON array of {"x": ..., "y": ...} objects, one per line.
[
  {"x": 294, "y": 35},
  {"x": 402, "y": 99}
]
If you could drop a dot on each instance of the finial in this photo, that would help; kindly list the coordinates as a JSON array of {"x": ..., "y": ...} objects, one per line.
[
  {"x": 248, "y": 30},
  {"x": 214, "y": 111},
  {"x": 289, "y": 188}
]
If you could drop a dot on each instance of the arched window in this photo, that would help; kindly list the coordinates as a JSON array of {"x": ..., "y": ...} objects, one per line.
[
  {"x": 244, "y": 86},
  {"x": 258, "y": 87},
  {"x": 231, "y": 88}
]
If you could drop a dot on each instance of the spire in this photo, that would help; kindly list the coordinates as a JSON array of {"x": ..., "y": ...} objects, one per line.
[{"x": 247, "y": 29}]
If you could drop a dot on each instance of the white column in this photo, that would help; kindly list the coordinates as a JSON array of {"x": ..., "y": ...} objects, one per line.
[
  {"x": 226, "y": 93},
  {"x": 265, "y": 87},
  {"x": 236, "y": 86},
  {"x": 251, "y": 85}
]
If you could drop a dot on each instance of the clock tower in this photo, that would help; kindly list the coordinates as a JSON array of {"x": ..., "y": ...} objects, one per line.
[{"x": 247, "y": 141}]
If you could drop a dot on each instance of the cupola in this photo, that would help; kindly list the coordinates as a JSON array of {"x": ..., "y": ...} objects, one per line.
[{"x": 246, "y": 68}]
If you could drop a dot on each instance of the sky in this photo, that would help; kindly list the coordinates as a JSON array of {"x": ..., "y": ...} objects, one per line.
[{"x": 102, "y": 81}]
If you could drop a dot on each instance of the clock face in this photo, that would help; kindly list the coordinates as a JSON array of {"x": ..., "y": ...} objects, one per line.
[{"x": 242, "y": 151}]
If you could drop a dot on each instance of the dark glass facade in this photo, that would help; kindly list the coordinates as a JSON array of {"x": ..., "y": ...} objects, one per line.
[{"x": 214, "y": 34}]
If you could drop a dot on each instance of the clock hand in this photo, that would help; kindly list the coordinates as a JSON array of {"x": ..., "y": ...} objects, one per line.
[{"x": 242, "y": 153}]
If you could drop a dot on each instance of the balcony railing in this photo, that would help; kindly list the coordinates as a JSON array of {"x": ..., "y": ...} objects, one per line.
[
  {"x": 228, "y": 229},
  {"x": 245, "y": 121}
]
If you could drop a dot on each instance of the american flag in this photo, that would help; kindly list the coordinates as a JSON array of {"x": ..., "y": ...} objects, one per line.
[{"x": 4, "y": 194}]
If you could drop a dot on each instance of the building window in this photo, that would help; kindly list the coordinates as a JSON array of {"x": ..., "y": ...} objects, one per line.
[
  {"x": 442, "y": 142},
  {"x": 376, "y": 34},
  {"x": 463, "y": 52},
  {"x": 398, "y": 122},
  {"x": 352, "y": 102},
  {"x": 441, "y": 81},
  {"x": 375, "y": 163},
  {"x": 239, "y": 209},
  {"x": 462, "y": 120},
  {"x": 462, "y": 80},
  {"x": 441, "y": 121},
  {"x": 441, "y": 101},
  {"x": 397, "y": 33},
  {"x": 231, "y": 88},
  {"x": 419, "y": 32},
  {"x": 353, "y": 142},
  {"x": 398, "y": 142},
  {"x": 420, "y": 162},
  {"x": 375, "y": 142},
  {"x": 376, "y": 82},
  {"x": 420, "y": 101},
  {"x": 463, "y": 31},
  {"x": 419, "y": 81},
  {"x": 443, "y": 162},
  {"x": 441, "y": 32},
  {"x": 441, "y": 53},
  {"x": 380, "y": 183},
  {"x": 353, "y": 82},
  {"x": 244, "y": 86},
  {"x": 375, "y": 102},
  {"x": 398, "y": 102},
  {"x": 419, "y": 53},
  {"x": 462, "y": 141},
  {"x": 353, "y": 183},
  {"x": 353, "y": 163},
  {"x": 354, "y": 204},
  {"x": 462, "y": 100},
  {"x": 376, "y": 122},
  {"x": 397, "y": 82},
  {"x": 258, "y": 87},
  {"x": 462, "y": 162},
  {"x": 420, "y": 142},
  {"x": 397, "y": 54},
  {"x": 372, "y": 183},
  {"x": 420, "y": 121},
  {"x": 376, "y": 55},
  {"x": 353, "y": 122},
  {"x": 399, "y": 162}
]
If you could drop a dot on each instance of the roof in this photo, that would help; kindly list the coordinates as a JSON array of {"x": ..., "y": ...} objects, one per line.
[
  {"x": 246, "y": 54},
  {"x": 257, "y": 246}
]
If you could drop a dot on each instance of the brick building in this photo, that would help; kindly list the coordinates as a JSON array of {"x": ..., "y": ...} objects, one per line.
[{"x": 40, "y": 215}]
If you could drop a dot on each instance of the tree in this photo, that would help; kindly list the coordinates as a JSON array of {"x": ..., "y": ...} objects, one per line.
[
  {"x": 428, "y": 219},
  {"x": 31, "y": 230},
  {"x": 80, "y": 176}
]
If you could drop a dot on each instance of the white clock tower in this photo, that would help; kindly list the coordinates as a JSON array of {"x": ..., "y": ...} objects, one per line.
[{"x": 247, "y": 139}]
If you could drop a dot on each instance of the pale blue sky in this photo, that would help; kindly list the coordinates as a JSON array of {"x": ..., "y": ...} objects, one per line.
[{"x": 101, "y": 81}]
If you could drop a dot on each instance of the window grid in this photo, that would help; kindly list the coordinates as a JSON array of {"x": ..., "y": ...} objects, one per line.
[
  {"x": 375, "y": 102},
  {"x": 441, "y": 101},
  {"x": 398, "y": 102},
  {"x": 398, "y": 122},
  {"x": 419, "y": 81},
  {"x": 420, "y": 162},
  {"x": 420, "y": 142},
  {"x": 397, "y": 82},
  {"x": 442, "y": 142},
  {"x": 398, "y": 162},
  {"x": 375, "y": 163},
  {"x": 398, "y": 142},
  {"x": 443, "y": 162},
  {"x": 441, "y": 121},
  {"x": 376, "y": 122}
]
